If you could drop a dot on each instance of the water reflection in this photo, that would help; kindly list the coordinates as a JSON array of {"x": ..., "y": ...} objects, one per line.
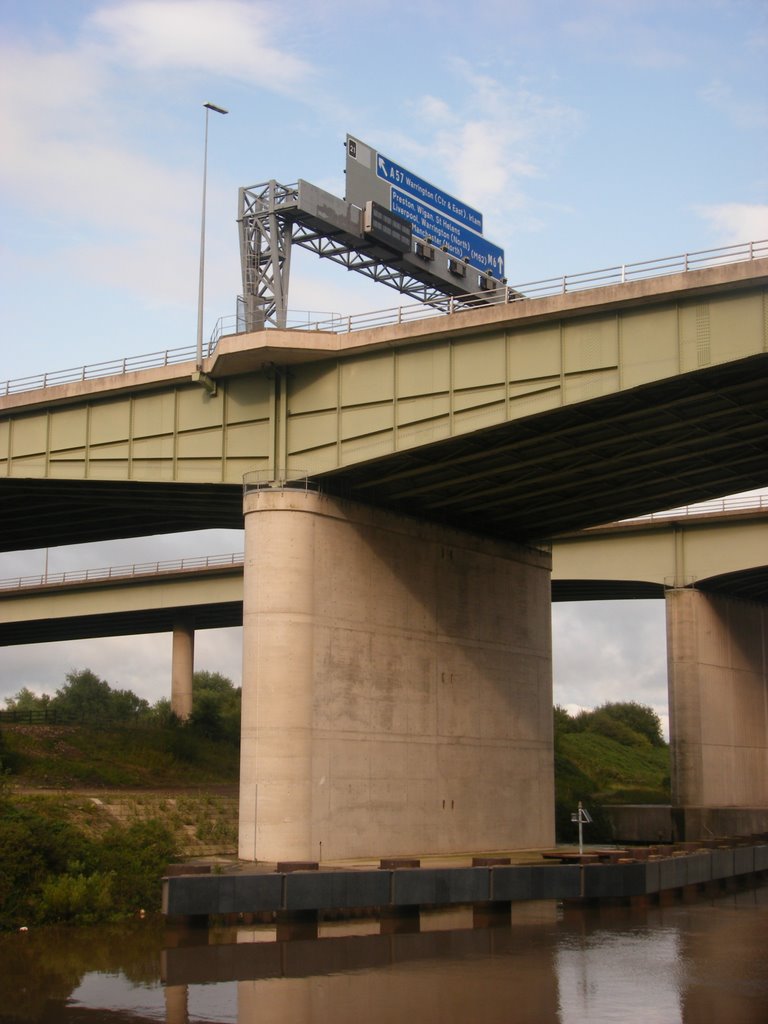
[
  {"x": 40, "y": 969},
  {"x": 683, "y": 964},
  {"x": 639, "y": 972}
]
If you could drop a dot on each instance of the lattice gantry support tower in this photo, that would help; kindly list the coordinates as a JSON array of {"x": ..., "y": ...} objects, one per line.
[{"x": 265, "y": 253}]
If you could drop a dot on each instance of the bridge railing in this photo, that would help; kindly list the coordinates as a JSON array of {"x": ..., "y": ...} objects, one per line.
[
  {"x": 121, "y": 572},
  {"x": 561, "y": 285},
  {"x": 129, "y": 364},
  {"x": 338, "y": 324},
  {"x": 735, "y": 503},
  {"x": 279, "y": 480}
]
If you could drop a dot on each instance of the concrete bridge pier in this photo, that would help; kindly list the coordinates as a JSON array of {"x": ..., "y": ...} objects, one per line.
[
  {"x": 397, "y": 692},
  {"x": 182, "y": 667},
  {"x": 718, "y": 702}
]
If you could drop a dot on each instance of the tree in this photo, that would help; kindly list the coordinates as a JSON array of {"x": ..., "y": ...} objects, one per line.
[
  {"x": 25, "y": 700},
  {"x": 638, "y": 717},
  {"x": 626, "y": 722},
  {"x": 562, "y": 720},
  {"x": 89, "y": 698},
  {"x": 83, "y": 695},
  {"x": 215, "y": 706}
]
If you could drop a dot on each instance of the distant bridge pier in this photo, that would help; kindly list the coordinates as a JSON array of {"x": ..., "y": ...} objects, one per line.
[
  {"x": 397, "y": 691},
  {"x": 182, "y": 667},
  {"x": 718, "y": 702}
]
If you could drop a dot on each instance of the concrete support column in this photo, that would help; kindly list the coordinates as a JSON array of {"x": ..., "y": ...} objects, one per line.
[
  {"x": 397, "y": 692},
  {"x": 277, "y": 694},
  {"x": 182, "y": 667},
  {"x": 718, "y": 700}
]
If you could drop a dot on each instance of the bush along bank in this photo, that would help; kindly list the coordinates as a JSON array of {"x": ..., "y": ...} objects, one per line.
[{"x": 56, "y": 871}]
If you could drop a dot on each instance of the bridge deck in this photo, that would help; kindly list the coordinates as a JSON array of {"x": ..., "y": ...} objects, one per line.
[{"x": 518, "y": 421}]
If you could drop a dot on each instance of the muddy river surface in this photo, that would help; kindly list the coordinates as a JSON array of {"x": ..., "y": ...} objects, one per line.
[{"x": 699, "y": 962}]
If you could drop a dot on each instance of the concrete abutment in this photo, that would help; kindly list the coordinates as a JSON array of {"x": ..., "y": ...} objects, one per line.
[{"x": 397, "y": 685}]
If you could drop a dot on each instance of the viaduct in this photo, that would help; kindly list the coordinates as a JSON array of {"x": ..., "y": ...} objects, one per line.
[{"x": 403, "y": 486}]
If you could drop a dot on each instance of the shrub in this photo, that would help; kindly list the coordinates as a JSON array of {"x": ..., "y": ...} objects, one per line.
[
  {"x": 53, "y": 872},
  {"x": 34, "y": 848},
  {"x": 137, "y": 856},
  {"x": 638, "y": 717},
  {"x": 82, "y": 898},
  {"x": 604, "y": 724}
]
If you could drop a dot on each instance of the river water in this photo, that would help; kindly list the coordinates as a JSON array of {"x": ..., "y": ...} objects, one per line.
[{"x": 702, "y": 962}]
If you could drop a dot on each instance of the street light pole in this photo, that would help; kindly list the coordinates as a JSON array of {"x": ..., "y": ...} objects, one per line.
[{"x": 201, "y": 282}]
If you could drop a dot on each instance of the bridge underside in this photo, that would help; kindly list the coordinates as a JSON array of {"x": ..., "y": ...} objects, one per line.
[
  {"x": 47, "y": 513},
  {"x": 686, "y": 439},
  {"x": 697, "y": 436},
  {"x": 128, "y": 623},
  {"x": 746, "y": 584}
]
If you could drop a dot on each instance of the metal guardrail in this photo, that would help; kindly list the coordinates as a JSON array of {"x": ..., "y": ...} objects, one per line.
[
  {"x": 279, "y": 480},
  {"x": 129, "y": 364},
  {"x": 259, "y": 480},
  {"x": 122, "y": 572},
  {"x": 297, "y": 320},
  {"x": 702, "y": 508},
  {"x": 564, "y": 284},
  {"x": 337, "y": 324}
]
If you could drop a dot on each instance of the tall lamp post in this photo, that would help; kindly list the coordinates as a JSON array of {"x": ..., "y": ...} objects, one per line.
[{"x": 201, "y": 283}]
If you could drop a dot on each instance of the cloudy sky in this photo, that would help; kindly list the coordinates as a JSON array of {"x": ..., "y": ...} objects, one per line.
[{"x": 588, "y": 134}]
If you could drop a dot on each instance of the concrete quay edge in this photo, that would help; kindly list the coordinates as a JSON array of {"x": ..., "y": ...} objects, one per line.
[{"x": 257, "y": 889}]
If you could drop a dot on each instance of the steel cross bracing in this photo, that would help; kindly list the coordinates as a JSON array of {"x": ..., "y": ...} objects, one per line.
[
  {"x": 265, "y": 253},
  {"x": 273, "y": 217}
]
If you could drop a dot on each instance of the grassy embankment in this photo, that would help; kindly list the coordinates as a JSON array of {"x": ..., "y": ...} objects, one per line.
[
  {"x": 90, "y": 817},
  {"x": 600, "y": 759}
]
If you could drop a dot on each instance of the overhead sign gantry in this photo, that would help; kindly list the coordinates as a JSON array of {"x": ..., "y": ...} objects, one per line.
[
  {"x": 438, "y": 219},
  {"x": 392, "y": 226}
]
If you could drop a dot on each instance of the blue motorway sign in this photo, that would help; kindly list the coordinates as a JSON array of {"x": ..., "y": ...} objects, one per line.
[
  {"x": 402, "y": 179},
  {"x": 443, "y": 231}
]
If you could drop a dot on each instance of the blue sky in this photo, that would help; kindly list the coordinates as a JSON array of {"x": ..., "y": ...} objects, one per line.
[{"x": 588, "y": 134}]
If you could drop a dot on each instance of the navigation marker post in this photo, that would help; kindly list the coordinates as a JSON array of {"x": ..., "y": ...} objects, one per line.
[{"x": 582, "y": 816}]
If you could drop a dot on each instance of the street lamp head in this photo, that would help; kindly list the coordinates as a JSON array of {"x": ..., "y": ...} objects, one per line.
[{"x": 219, "y": 110}]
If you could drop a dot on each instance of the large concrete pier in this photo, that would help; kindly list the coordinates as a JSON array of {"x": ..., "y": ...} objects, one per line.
[
  {"x": 397, "y": 689},
  {"x": 718, "y": 686}
]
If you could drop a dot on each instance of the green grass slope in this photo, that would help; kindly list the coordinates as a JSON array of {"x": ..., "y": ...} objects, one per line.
[{"x": 87, "y": 756}]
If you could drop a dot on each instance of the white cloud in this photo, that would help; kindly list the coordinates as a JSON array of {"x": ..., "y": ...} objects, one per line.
[
  {"x": 610, "y": 651},
  {"x": 107, "y": 205},
  {"x": 493, "y": 140},
  {"x": 747, "y": 112},
  {"x": 225, "y": 38},
  {"x": 634, "y": 34},
  {"x": 733, "y": 223},
  {"x": 70, "y": 113}
]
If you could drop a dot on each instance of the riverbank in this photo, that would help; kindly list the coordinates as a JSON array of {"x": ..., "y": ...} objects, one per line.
[{"x": 99, "y": 855}]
